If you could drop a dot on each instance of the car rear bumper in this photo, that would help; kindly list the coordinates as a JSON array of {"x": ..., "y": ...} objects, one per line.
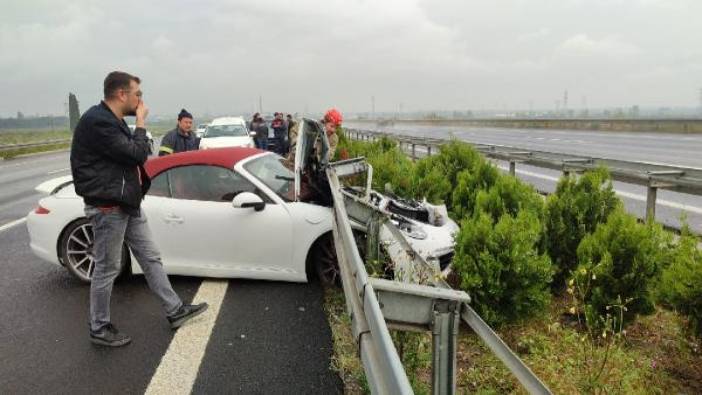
[{"x": 42, "y": 238}]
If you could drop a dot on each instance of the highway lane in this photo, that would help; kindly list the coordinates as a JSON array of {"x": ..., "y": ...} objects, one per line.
[
  {"x": 667, "y": 148},
  {"x": 19, "y": 177},
  {"x": 269, "y": 337}
]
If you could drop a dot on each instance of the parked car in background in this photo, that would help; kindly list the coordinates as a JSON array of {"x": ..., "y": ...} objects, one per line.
[
  {"x": 200, "y": 131},
  {"x": 227, "y": 132}
]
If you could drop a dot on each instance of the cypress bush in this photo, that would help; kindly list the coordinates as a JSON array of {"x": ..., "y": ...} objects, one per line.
[
  {"x": 617, "y": 266},
  {"x": 680, "y": 285},
  {"x": 499, "y": 265},
  {"x": 437, "y": 176},
  {"x": 573, "y": 211}
]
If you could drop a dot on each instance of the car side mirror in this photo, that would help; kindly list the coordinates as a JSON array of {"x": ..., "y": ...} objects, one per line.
[{"x": 248, "y": 200}]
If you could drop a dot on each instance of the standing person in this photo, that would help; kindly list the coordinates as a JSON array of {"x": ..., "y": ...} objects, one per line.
[
  {"x": 181, "y": 138},
  {"x": 108, "y": 173},
  {"x": 253, "y": 119},
  {"x": 261, "y": 130},
  {"x": 280, "y": 131},
  {"x": 291, "y": 135},
  {"x": 332, "y": 120}
]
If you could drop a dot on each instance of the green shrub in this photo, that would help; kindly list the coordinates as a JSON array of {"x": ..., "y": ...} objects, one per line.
[
  {"x": 390, "y": 166},
  {"x": 680, "y": 286},
  {"x": 617, "y": 264},
  {"x": 510, "y": 196},
  {"x": 469, "y": 182},
  {"x": 573, "y": 211},
  {"x": 499, "y": 266},
  {"x": 431, "y": 183},
  {"x": 434, "y": 174}
]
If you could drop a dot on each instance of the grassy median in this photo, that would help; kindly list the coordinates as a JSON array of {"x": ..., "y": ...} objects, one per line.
[
  {"x": 21, "y": 136},
  {"x": 29, "y": 136}
]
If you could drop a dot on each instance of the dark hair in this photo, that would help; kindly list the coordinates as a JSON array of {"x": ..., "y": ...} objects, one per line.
[
  {"x": 117, "y": 80},
  {"x": 184, "y": 114}
]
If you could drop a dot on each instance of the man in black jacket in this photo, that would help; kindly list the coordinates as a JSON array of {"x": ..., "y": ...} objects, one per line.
[
  {"x": 181, "y": 138},
  {"x": 107, "y": 165}
]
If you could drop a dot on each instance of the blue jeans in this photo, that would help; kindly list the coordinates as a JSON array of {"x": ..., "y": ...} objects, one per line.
[{"x": 112, "y": 227}]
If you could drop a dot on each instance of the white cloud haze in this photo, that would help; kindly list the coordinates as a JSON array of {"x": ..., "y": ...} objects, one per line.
[{"x": 218, "y": 56}]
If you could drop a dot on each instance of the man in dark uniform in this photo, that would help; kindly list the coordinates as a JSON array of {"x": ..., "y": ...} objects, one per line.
[
  {"x": 107, "y": 163},
  {"x": 181, "y": 138}
]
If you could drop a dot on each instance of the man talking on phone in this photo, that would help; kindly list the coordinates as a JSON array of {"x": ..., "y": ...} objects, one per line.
[{"x": 107, "y": 166}]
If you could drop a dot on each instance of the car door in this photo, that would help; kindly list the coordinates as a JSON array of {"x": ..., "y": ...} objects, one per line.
[
  {"x": 205, "y": 232},
  {"x": 308, "y": 133}
]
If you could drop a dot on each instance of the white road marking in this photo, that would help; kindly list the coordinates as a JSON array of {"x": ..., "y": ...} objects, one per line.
[
  {"x": 634, "y": 196},
  {"x": 58, "y": 171},
  {"x": 13, "y": 223},
  {"x": 178, "y": 369}
]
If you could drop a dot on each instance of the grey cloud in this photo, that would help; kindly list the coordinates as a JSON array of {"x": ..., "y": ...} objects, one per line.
[{"x": 218, "y": 56}]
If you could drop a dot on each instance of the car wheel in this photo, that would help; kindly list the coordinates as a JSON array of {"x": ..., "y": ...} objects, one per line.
[
  {"x": 76, "y": 250},
  {"x": 326, "y": 263}
]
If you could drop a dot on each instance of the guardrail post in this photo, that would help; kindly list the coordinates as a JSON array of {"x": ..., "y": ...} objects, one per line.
[
  {"x": 373, "y": 241},
  {"x": 512, "y": 168},
  {"x": 651, "y": 203},
  {"x": 445, "y": 345},
  {"x": 428, "y": 150},
  {"x": 414, "y": 154}
]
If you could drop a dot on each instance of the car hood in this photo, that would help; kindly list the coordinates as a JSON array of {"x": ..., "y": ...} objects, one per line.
[{"x": 219, "y": 142}]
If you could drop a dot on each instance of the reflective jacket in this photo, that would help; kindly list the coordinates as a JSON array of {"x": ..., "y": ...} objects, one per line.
[{"x": 174, "y": 142}]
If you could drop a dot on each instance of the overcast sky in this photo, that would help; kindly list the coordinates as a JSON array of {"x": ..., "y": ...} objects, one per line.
[{"x": 218, "y": 56}]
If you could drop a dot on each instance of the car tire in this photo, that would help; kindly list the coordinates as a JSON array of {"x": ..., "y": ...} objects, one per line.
[
  {"x": 325, "y": 262},
  {"x": 76, "y": 250}
]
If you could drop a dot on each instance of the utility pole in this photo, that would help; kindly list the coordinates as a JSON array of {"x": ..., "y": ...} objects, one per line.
[{"x": 73, "y": 112}]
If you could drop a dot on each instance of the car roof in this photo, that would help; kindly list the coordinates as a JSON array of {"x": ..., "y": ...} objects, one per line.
[
  {"x": 228, "y": 121},
  {"x": 223, "y": 157}
]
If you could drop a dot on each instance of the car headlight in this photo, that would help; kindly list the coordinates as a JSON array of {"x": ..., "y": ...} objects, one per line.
[{"x": 412, "y": 231}]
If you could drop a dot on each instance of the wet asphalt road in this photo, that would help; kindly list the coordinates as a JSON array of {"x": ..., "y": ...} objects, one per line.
[{"x": 269, "y": 337}]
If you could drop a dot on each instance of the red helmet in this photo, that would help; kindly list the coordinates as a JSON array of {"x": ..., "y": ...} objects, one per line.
[{"x": 334, "y": 116}]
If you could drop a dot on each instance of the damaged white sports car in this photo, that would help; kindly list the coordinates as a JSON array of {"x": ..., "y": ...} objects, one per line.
[{"x": 233, "y": 213}]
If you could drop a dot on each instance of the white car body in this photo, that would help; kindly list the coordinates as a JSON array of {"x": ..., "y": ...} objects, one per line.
[
  {"x": 200, "y": 131},
  {"x": 223, "y": 238},
  {"x": 226, "y": 132}
]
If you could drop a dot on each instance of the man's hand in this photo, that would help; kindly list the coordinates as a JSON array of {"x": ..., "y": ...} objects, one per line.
[{"x": 141, "y": 112}]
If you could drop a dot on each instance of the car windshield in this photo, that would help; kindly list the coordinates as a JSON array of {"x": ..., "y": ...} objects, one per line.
[
  {"x": 226, "y": 131},
  {"x": 271, "y": 171}
]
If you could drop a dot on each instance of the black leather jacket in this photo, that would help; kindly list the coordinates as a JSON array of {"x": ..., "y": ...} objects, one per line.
[{"x": 107, "y": 160}]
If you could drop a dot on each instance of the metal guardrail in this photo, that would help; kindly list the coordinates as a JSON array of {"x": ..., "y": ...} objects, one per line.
[
  {"x": 376, "y": 304},
  {"x": 8, "y": 147},
  {"x": 653, "y": 176}
]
